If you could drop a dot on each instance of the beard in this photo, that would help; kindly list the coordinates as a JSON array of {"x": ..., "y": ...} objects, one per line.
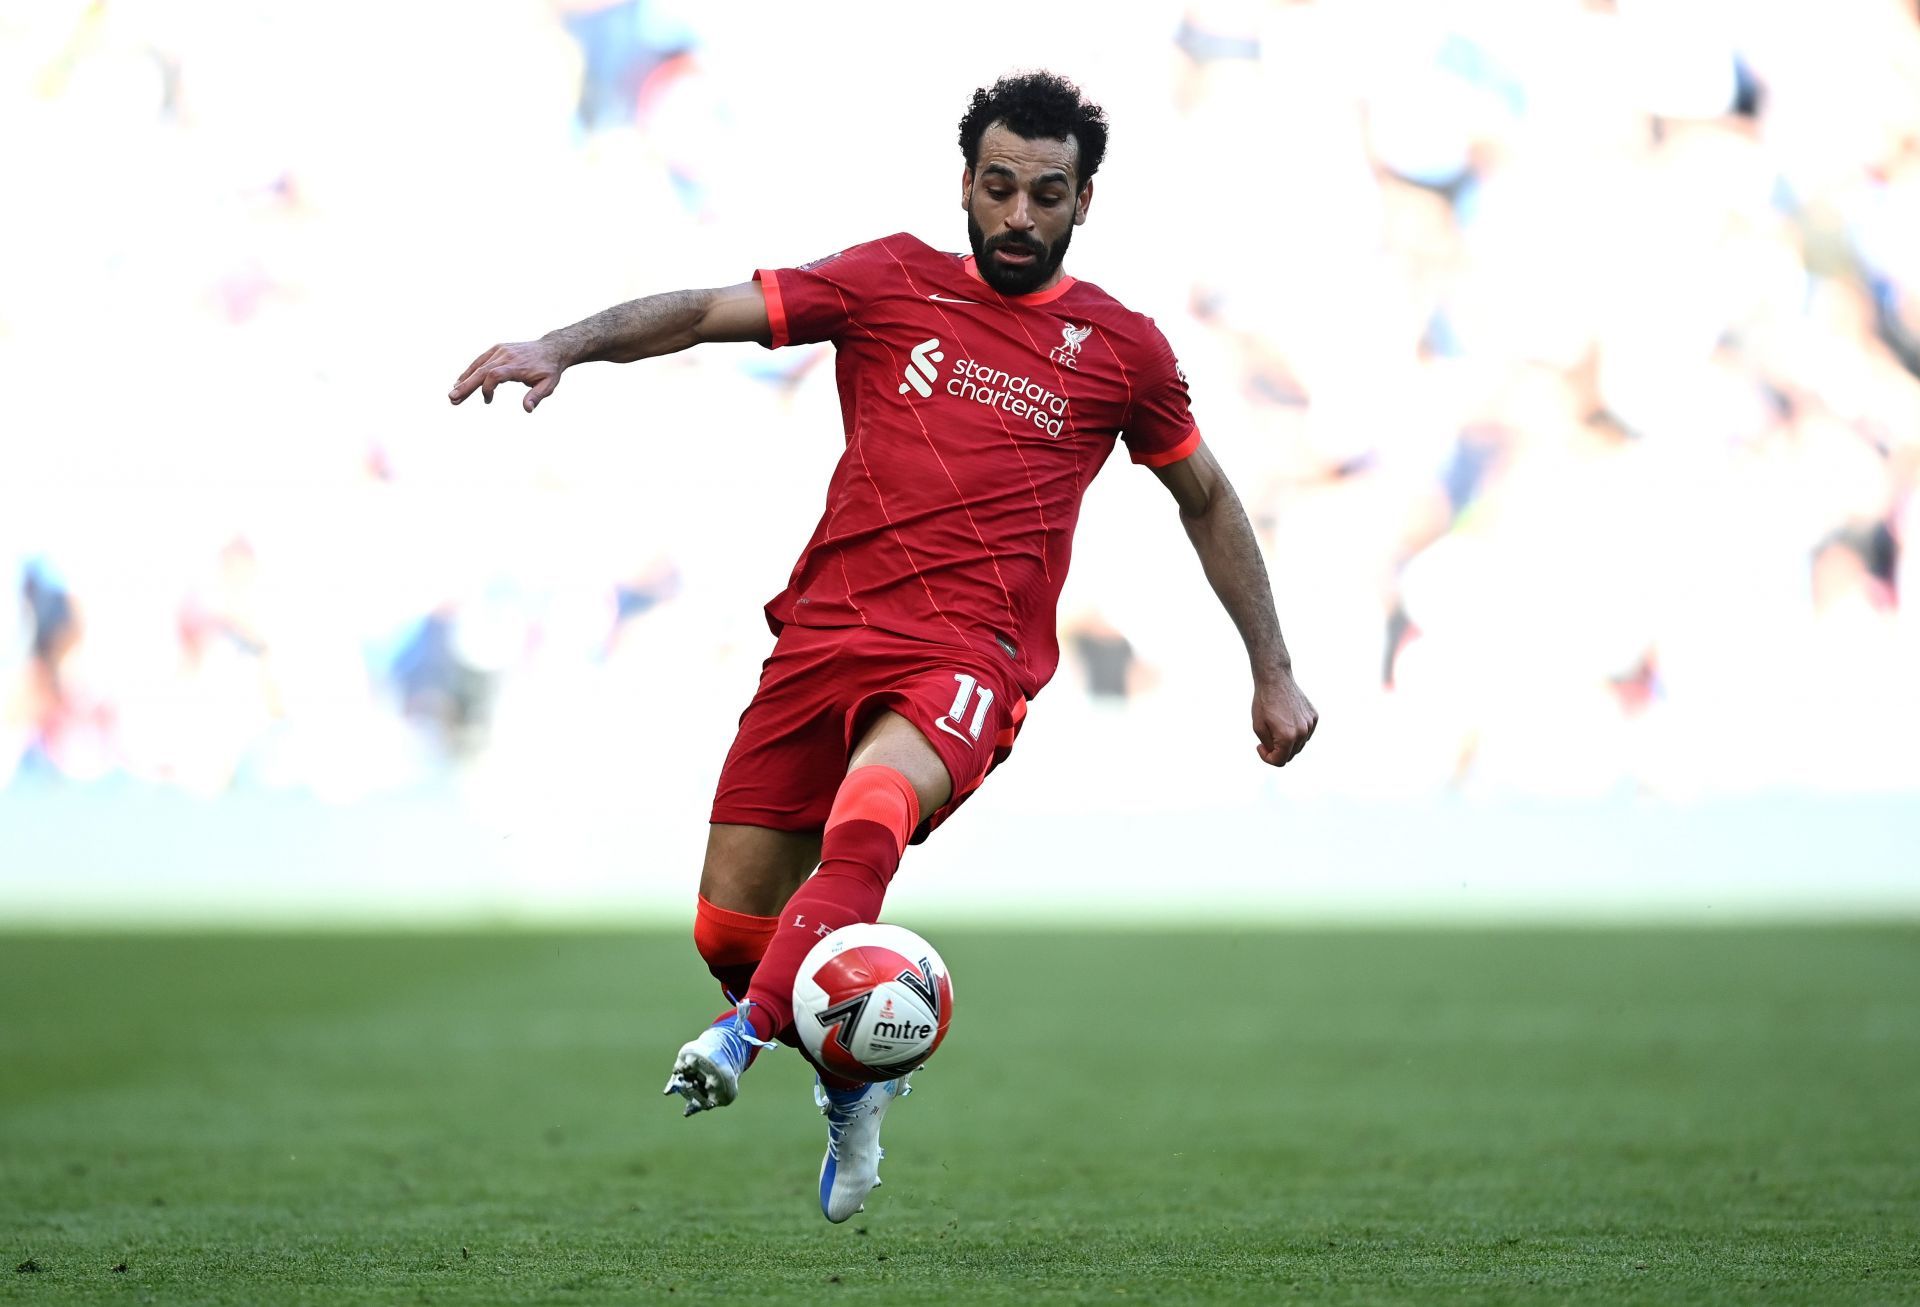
[{"x": 1011, "y": 280}]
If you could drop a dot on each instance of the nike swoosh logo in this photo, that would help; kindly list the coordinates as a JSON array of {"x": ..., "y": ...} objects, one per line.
[
  {"x": 948, "y": 299},
  {"x": 952, "y": 730}
]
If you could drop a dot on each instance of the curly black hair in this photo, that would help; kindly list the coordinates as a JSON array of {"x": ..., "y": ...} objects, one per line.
[{"x": 1038, "y": 106}]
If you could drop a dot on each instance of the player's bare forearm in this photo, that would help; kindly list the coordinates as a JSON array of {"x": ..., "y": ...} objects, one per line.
[
  {"x": 655, "y": 325},
  {"x": 639, "y": 329},
  {"x": 1283, "y": 718},
  {"x": 1230, "y": 556}
]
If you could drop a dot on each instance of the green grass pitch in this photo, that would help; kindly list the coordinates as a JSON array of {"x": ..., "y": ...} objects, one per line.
[{"x": 1242, "y": 1116}]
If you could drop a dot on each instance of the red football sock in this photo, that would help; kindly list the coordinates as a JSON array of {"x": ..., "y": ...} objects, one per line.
[
  {"x": 873, "y": 815},
  {"x": 731, "y": 942}
]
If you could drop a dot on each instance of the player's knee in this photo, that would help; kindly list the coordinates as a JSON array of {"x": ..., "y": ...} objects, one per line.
[
  {"x": 751, "y": 871},
  {"x": 879, "y": 795}
]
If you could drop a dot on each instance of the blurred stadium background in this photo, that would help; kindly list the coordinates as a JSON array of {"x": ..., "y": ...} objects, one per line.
[{"x": 1566, "y": 353}]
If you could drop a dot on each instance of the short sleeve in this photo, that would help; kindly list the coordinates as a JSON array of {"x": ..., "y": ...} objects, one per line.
[
  {"x": 817, "y": 300},
  {"x": 1159, "y": 428}
]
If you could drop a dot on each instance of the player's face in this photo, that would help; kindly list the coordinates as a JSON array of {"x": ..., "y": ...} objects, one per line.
[{"x": 1022, "y": 206}]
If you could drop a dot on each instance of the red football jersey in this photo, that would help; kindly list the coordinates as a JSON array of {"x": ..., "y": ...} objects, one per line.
[{"x": 975, "y": 422}]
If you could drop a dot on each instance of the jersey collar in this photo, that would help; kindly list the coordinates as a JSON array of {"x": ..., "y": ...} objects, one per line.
[{"x": 1046, "y": 296}]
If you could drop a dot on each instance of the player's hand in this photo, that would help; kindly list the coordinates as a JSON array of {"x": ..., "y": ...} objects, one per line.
[
  {"x": 1282, "y": 718},
  {"x": 535, "y": 364}
]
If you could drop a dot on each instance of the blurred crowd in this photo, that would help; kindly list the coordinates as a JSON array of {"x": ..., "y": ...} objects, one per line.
[{"x": 1565, "y": 352}]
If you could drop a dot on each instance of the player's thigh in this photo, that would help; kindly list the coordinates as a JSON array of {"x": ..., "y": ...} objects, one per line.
[
  {"x": 892, "y": 740},
  {"x": 788, "y": 755},
  {"x": 944, "y": 719},
  {"x": 755, "y": 870}
]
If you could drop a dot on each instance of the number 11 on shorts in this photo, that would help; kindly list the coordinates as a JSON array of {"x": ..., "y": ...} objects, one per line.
[{"x": 956, "y": 714}]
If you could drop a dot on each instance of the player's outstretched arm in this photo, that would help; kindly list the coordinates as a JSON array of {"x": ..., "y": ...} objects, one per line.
[
  {"x": 1283, "y": 719},
  {"x": 638, "y": 329}
]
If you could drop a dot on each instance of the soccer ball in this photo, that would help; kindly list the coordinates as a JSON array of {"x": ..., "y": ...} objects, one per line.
[{"x": 872, "y": 1002}]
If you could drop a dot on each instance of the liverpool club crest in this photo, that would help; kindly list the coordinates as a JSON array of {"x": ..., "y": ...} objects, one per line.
[{"x": 1072, "y": 338}]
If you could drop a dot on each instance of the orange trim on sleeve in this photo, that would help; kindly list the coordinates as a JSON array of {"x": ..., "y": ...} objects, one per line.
[
  {"x": 776, "y": 306},
  {"x": 1182, "y": 450}
]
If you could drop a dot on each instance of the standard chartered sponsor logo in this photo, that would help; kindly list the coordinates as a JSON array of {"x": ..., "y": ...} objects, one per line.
[
  {"x": 920, "y": 367},
  {"x": 1022, "y": 397}
]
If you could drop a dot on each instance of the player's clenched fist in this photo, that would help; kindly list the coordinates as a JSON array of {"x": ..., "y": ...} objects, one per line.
[
  {"x": 535, "y": 364},
  {"x": 1283, "y": 719}
]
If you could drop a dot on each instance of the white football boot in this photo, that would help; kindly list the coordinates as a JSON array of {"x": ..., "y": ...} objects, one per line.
[
  {"x": 851, "y": 1169},
  {"x": 707, "y": 1070}
]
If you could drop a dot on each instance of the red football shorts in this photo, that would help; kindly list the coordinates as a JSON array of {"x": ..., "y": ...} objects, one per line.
[{"x": 820, "y": 691}]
